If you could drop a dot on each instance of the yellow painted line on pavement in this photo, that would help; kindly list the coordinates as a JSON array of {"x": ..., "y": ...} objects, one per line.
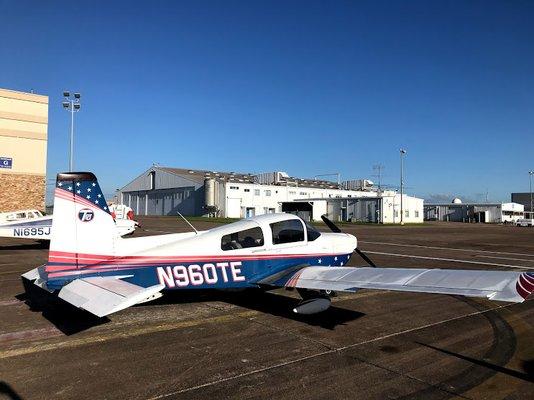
[{"x": 124, "y": 334}]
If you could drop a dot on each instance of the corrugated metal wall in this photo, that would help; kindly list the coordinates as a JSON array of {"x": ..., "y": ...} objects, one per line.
[
  {"x": 171, "y": 193},
  {"x": 463, "y": 213},
  {"x": 162, "y": 180}
]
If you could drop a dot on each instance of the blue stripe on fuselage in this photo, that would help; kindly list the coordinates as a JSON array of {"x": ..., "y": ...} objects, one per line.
[{"x": 204, "y": 275}]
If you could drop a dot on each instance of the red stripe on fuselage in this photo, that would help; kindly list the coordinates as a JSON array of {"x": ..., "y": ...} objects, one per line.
[{"x": 103, "y": 260}]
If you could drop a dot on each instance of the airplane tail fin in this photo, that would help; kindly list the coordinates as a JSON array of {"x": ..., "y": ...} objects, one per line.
[{"x": 82, "y": 223}]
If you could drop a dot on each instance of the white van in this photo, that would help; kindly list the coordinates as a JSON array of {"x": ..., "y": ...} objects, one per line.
[{"x": 525, "y": 222}]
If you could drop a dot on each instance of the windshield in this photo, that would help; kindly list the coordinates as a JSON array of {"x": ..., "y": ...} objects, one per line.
[{"x": 312, "y": 232}]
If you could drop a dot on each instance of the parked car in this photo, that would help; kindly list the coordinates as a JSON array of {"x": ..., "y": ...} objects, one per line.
[{"x": 525, "y": 222}]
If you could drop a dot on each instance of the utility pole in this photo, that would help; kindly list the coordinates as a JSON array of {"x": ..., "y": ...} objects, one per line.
[
  {"x": 402, "y": 153},
  {"x": 379, "y": 168},
  {"x": 72, "y": 105},
  {"x": 530, "y": 173}
]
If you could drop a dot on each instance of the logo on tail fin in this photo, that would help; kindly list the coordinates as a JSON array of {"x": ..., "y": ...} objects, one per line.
[{"x": 86, "y": 215}]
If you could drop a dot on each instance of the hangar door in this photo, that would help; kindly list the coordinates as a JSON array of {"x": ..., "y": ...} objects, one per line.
[
  {"x": 169, "y": 201},
  {"x": 137, "y": 201}
]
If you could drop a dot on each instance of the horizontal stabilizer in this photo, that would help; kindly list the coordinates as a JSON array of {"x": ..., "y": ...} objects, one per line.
[
  {"x": 102, "y": 296},
  {"x": 494, "y": 285}
]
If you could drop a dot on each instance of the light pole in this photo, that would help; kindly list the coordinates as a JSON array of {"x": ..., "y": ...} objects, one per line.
[
  {"x": 402, "y": 153},
  {"x": 72, "y": 105},
  {"x": 530, "y": 173}
]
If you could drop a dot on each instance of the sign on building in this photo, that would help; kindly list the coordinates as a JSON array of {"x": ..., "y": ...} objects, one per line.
[{"x": 6, "y": 162}]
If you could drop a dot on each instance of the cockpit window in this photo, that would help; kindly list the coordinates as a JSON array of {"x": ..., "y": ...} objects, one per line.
[
  {"x": 288, "y": 231},
  {"x": 312, "y": 232},
  {"x": 242, "y": 239}
]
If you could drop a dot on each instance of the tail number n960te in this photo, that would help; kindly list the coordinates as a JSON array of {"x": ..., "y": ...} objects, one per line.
[{"x": 195, "y": 275}]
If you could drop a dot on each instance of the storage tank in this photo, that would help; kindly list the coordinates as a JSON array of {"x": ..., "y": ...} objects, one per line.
[{"x": 209, "y": 191}]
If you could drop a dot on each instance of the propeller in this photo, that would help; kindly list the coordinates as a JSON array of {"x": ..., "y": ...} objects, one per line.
[{"x": 334, "y": 228}]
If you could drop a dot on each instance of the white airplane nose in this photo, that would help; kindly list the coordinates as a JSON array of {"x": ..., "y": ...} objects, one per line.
[
  {"x": 345, "y": 243},
  {"x": 353, "y": 241}
]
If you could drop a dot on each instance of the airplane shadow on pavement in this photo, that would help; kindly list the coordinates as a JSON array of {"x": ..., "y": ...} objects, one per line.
[
  {"x": 64, "y": 316},
  {"x": 264, "y": 302},
  {"x": 7, "y": 392},
  {"x": 71, "y": 320},
  {"x": 27, "y": 246}
]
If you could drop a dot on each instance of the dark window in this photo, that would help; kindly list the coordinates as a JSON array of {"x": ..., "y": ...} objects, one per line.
[
  {"x": 288, "y": 231},
  {"x": 312, "y": 232},
  {"x": 243, "y": 239}
]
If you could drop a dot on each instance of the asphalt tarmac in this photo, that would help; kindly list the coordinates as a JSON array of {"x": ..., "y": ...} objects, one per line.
[{"x": 243, "y": 345}]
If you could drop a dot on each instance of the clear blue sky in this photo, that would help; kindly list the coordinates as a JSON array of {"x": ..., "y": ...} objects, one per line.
[{"x": 301, "y": 86}]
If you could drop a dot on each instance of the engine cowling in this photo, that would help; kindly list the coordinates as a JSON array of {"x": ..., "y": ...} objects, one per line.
[{"x": 312, "y": 306}]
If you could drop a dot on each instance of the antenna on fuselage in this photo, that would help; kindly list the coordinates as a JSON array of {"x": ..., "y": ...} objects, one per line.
[{"x": 187, "y": 222}]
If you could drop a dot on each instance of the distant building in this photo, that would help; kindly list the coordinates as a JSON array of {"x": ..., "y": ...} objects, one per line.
[
  {"x": 474, "y": 212},
  {"x": 522, "y": 198},
  {"x": 166, "y": 191},
  {"x": 23, "y": 143}
]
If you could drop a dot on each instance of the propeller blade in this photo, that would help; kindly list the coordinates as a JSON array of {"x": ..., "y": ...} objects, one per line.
[
  {"x": 330, "y": 224},
  {"x": 333, "y": 227},
  {"x": 365, "y": 258}
]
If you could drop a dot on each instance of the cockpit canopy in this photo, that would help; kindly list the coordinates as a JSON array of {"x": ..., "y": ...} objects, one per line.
[{"x": 279, "y": 230}]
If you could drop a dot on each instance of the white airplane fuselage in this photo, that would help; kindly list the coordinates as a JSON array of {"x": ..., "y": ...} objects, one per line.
[{"x": 198, "y": 260}]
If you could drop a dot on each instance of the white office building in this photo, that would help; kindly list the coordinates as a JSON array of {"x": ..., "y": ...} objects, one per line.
[{"x": 166, "y": 191}]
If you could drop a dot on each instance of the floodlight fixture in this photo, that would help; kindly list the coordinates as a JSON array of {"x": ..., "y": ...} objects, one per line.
[{"x": 72, "y": 105}]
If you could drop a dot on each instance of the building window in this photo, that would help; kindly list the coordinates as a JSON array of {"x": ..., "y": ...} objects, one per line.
[
  {"x": 288, "y": 231},
  {"x": 292, "y": 192},
  {"x": 303, "y": 193},
  {"x": 234, "y": 187},
  {"x": 267, "y": 193},
  {"x": 406, "y": 213},
  {"x": 396, "y": 213},
  {"x": 242, "y": 240},
  {"x": 416, "y": 214},
  {"x": 247, "y": 190},
  {"x": 256, "y": 192}
]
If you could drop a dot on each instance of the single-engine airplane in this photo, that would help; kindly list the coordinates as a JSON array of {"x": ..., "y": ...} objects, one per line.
[
  {"x": 96, "y": 270},
  {"x": 27, "y": 224},
  {"x": 32, "y": 224}
]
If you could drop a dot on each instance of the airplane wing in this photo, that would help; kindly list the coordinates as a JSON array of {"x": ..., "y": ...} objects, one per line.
[
  {"x": 494, "y": 285},
  {"x": 105, "y": 295}
]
